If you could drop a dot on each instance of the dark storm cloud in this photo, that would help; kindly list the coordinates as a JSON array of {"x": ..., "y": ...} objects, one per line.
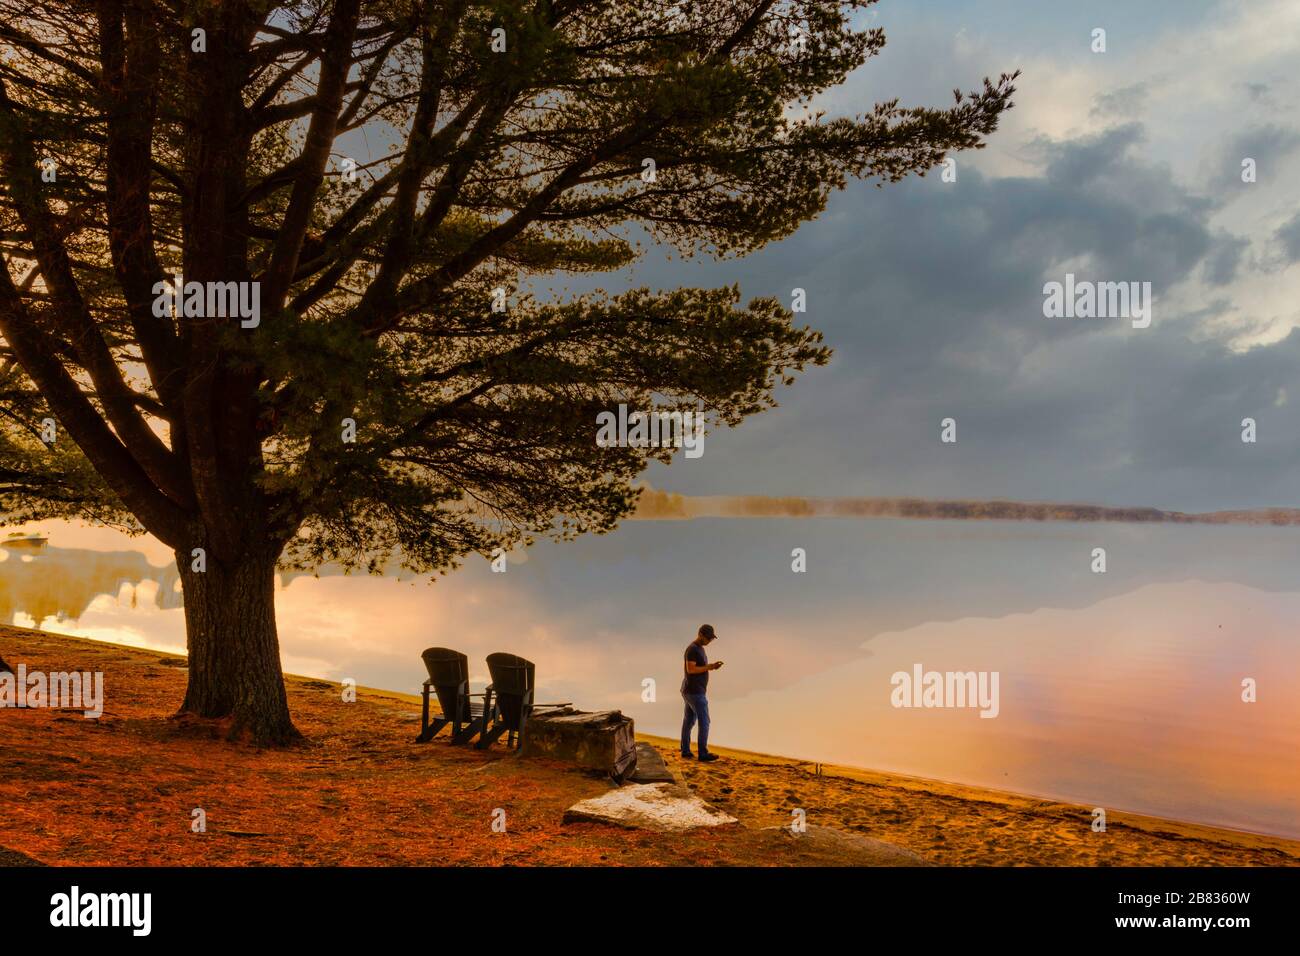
[
  {"x": 931, "y": 294},
  {"x": 1224, "y": 259},
  {"x": 1288, "y": 236}
]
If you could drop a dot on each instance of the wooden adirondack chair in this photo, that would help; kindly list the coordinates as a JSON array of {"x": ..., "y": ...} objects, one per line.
[
  {"x": 449, "y": 680},
  {"x": 511, "y": 697}
]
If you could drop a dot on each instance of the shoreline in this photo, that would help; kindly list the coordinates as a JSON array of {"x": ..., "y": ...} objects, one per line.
[
  {"x": 1190, "y": 829},
  {"x": 949, "y": 823}
]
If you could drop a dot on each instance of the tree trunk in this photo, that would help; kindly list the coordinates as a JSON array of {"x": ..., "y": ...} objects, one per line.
[{"x": 234, "y": 650}]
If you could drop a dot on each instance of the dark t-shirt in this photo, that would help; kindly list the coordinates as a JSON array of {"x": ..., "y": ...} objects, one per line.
[{"x": 696, "y": 683}]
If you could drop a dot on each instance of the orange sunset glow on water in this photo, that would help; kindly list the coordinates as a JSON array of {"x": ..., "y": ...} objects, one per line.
[{"x": 1131, "y": 701}]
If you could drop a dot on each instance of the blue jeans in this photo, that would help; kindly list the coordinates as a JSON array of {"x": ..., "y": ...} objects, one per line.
[{"x": 697, "y": 708}]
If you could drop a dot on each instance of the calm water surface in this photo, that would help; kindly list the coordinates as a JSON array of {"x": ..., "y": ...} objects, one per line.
[{"x": 1120, "y": 690}]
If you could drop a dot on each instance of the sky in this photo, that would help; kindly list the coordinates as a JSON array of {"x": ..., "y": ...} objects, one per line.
[{"x": 1123, "y": 165}]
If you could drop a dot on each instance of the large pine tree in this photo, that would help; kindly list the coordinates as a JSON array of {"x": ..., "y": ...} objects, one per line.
[{"x": 385, "y": 407}]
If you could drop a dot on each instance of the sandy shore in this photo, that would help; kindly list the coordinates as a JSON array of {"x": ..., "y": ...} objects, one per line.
[
  {"x": 955, "y": 824},
  {"x": 123, "y": 789}
]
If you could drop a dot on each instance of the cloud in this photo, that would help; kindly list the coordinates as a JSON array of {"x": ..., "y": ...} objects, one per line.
[
  {"x": 1289, "y": 238},
  {"x": 1125, "y": 101},
  {"x": 931, "y": 292},
  {"x": 931, "y": 295},
  {"x": 1224, "y": 259},
  {"x": 1270, "y": 145}
]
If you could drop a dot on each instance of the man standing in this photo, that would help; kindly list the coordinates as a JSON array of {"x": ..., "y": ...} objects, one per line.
[{"x": 695, "y": 686}]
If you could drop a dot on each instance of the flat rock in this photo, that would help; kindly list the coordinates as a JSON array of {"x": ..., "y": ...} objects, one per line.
[
  {"x": 664, "y": 807},
  {"x": 650, "y": 767},
  {"x": 828, "y": 846}
]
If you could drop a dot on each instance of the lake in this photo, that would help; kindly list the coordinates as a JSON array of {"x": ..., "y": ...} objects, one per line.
[{"x": 1120, "y": 689}]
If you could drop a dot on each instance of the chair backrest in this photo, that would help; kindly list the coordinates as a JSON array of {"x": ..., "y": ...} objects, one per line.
[
  {"x": 513, "y": 680},
  {"x": 449, "y": 674}
]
